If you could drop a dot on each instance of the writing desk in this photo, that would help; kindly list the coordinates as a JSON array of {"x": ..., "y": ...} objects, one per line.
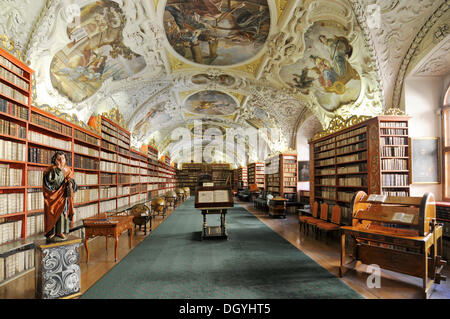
[{"x": 112, "y": 226}]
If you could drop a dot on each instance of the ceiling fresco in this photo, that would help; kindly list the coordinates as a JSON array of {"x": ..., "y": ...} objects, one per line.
[
  {"x": 210, "y": 103},
  {"x": 261, "y": 66},
  {"x": 95, "y": 53},
  {"x": 216, "y": 32},
  {"x": 325, "y": 69}
]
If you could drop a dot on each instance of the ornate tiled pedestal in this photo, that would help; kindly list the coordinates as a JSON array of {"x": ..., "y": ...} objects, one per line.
[{"x": 58, "y": 269}]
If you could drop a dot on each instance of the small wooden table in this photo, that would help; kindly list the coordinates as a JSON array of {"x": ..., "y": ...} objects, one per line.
[{"x": 113, "y": 226}]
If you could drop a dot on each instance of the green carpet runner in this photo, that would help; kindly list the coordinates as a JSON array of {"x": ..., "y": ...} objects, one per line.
[{"x": 255, "y": 262}]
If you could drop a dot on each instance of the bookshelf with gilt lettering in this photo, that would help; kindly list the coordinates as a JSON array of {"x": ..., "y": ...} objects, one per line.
[
  {"x": 372, "y": 156},
  {"x": 281, "y": 174},
  {"x": 255, "y": 173},
  {"x": 235, "y": 179}
]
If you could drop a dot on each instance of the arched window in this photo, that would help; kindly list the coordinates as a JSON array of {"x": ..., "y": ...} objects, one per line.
[{"x": 446, "y": 144}]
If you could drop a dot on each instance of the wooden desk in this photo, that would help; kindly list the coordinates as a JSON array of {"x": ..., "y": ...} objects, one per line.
[
  {"x": 277, "y": 207},
  {"x": 112, "y": 226}
]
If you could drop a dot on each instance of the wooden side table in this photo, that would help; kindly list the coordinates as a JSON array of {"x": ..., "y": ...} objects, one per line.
[{"x": 113, "y": 226}]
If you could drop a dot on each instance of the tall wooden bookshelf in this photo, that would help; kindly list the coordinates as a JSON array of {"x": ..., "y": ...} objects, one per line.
[
  {"x": 281, "y": 174},
  {"x": 372, "y": 156},
  {"x": 242, "y": 177},
  {"x": 15, "y": 102},
  {"x": 256, "y": 174}
]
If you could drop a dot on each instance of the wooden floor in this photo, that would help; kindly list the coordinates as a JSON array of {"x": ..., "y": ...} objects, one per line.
[{"x": 393, "y": 285}]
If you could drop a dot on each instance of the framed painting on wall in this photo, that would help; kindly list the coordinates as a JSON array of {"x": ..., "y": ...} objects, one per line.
[
  {"x": 425, "y": 160},
  {"x": 303, "y": 171}
]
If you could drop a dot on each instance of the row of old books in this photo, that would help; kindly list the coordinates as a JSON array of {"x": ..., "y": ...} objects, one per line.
[
  {"x": 12, "y": 151},
  {"x": 392, "y": 131},
  {"x": 392, "y": 151},
  {"x": 51, "y": 124},
  {"x": 108, "y": 166},
  {"x": 8, "y": 64},
  {"x": 396, "y": 193},
  {"x": 108, "y": 156},
  {"x": 128, "y": 169},
  {"x": 35, "y": 224},
  {"x": 353, "y": 139},
  {"x": 351, "y": 148},
  {"x": 351, "y": 158},
  {"x": 35, "y": 176},
  {"x": 395, "y": 179},
  {"x": 327, "y": 193},
  {"x": 326, "y": 154},
  {"x": 360, "y": 180},
  {"x": 49, "y": 141},
  {"x": 82, "y": 178},
  {"x": 10, "y": 231},
  {"x": 345, "y": 196},
  {"x": 16, "y": 263},
  {"x": 393, "y": 140},
  {"x": 86, "y": 162},
  {"x": 108, "y": 206},
  {"x": 106, "y": 178},
  {"x": 122, "y": 201},
  {"x": 85, "y": 150},
  {"x": 86, "y": 137},
  {"x": 82, "y": 212},
  {"x": 13, "y": 78},
  {"x": 13, "y": 109},
  {"x": 35, "y": 199},
  {"x": 326, "y": 181},
  {"x": 350, "y": 134},
  {"x": 109, "y": 146},
  {"x": 44, "y": 156},
  {"x": 12, "y": 129},
  {"x": 136, "y": 198},
  {"x": 394, "y": 164},
  {"x": 10, "y": 176},
  {"x": 354, "y": 168},
  {"x": 13, "y": 93},
  {"x": 84, "y": 195},
  {"x": 108, "y": 192},
  {"x": 11, "y": 203}
]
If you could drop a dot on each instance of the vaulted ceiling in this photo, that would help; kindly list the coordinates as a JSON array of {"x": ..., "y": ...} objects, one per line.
[{"x": 237, "y": 68}]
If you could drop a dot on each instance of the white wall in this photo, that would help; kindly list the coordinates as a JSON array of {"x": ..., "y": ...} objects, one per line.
[{"x": 423, "y": 97}]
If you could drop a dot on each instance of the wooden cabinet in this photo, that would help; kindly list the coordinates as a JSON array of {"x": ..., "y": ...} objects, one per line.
[{"x": 372, "y": 156}]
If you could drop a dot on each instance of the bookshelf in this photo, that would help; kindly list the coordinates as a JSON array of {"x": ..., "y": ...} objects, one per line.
[
  {"x": 281, "y": 174},
  {"x": 242, "y": 177},
  {"x": 16, "y": 198},
  {"x": 187, "y": 176},
  {"x": 372, "y": 156},
  {"x": 256, "y": 172}
]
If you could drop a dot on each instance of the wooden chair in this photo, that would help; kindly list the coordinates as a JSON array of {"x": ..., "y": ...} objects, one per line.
[
  {"x": 333, "y": 225},
  {"x": 323, "y": 217},
  {"x": 303, "y": 219},
  {"x": 142, "y": 215}
]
